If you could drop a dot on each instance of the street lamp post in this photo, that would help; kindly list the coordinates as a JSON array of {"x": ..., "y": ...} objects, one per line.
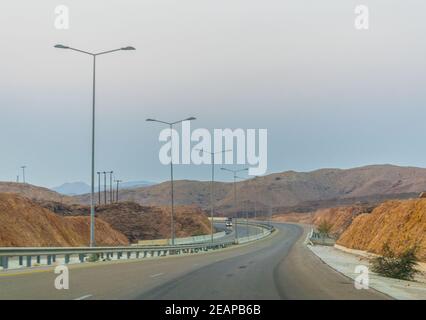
[
  {"x": 170, "y": 124},
  {"x": 234, "y": 172},
  {"x": 92, "y": 191},
  {"x": 212, "y": 154}
]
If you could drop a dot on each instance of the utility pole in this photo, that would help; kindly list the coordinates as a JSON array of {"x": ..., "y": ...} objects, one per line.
[
  {"x": 99, "y": 187},
  {"x": 23, "y": 173},
  {"x": 105, "y": 187},
  {"x": 116, "y": 193},
  {"x": 110, "y": 186}
]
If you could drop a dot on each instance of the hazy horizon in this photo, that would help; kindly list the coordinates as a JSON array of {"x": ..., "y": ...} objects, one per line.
[{"x": 330, "y": 96}]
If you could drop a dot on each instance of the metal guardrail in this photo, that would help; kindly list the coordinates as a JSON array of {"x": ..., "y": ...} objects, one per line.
[
  {"x": 28, "y": 257},
  {"x": 320, "y": 239}
]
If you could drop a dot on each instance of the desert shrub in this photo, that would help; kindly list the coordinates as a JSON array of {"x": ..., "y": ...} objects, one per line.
[
  {"x": 398, "y": 266},
  {"x": 93, "y": 257},
  {"x": 324, "y": 228}
]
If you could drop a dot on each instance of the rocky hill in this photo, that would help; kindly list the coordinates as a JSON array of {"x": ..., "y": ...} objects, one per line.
[
  {"x": 142, "y": 222},
  {"x": 401, "y": 224},
  {"x": 33, "y": 192},
  {"x": 291, "y": 191},
  {"x": 24, "y": 223}
]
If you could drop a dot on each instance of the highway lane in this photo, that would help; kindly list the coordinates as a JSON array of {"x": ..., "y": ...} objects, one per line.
[{"x": 279, "y": 267}]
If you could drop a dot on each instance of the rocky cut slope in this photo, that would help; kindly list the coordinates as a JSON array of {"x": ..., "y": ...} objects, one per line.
[
  {"x": 24, "y": 223},
  {"x": 339, "y": 218},
  {"x": 400, "y": 224}
]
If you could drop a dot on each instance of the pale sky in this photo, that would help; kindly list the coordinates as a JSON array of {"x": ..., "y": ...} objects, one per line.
[{"x": 329, "y": 95}]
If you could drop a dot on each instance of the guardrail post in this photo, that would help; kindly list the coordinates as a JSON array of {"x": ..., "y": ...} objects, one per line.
[
  {"x": 38, "y": 259},
  {"x": 53, "y": 257},
  {"x": 21, "y": 260},
  {"x": 137, "y": 254},
  {"x": 129, "y": 254},
  {"x": 29, "y": 261},
  {"x": 5, "y": 262},
  {"x": 67, "y": 258},
  {"x": 81, "y": 257},
  {"x": 49, "y": 259}
]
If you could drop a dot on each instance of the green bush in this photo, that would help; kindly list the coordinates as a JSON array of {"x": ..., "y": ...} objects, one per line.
[
  {"x": 324, "y": 228},
  {"x": 400, "y": 266},
  {"x": 93, "y": 257}
]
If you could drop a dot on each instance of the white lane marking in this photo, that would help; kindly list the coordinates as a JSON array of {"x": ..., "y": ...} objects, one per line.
[
  {"x": 156, "y": 275},
  {"x": 84, "y": 297}
]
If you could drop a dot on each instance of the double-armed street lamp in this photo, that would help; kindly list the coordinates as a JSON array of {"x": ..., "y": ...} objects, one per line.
[
  {"x": 212, "y": 154},
  {"x": 234, "y": 172},
  {"x": 170, "y": 124},
  {"x": 92, "y": 200}
]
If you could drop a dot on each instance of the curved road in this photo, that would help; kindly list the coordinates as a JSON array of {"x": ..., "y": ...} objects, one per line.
[{"x": 278, "y": 267}]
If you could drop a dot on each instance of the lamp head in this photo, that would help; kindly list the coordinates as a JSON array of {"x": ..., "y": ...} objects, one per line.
[
  {"x": 60, "y": 46},
  {"x": 128, "y": 48}
]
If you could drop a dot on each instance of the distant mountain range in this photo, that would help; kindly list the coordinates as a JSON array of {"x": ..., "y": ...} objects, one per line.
[
  {"x": 289, "y": 191},
  {"x": 283, "y": 192},
  {"x": 78, "y": 188}
]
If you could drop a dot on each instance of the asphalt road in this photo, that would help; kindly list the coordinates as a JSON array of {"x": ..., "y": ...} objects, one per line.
[{"x": 278, "y": 267}]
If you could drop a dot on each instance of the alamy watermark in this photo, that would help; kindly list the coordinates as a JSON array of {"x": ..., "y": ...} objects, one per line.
[
  {"x": 246, "y": 147},
  {"x": 62, "y": 281},
  {"x": 362, "y": 281}
]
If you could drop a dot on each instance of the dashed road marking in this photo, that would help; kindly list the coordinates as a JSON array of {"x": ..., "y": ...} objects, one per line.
[
  {"x": 156, "y": 275},
  {"x": 84, "y": 297}
]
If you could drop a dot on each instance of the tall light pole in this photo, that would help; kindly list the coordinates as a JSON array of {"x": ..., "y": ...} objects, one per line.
[
  {"x": 99, "y": 187},
  {"x": 110, "y": 185},
  {"x": 212, "y": 154},
  {"x": 23, "y": 173},
  {"x": 116, "y": 195},
  {"x": 170, "y": 124},
  {"x": 92, "y": 191},
  {"x": 234, "y": 172}
]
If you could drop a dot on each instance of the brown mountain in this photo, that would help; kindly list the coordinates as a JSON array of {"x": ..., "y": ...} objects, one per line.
[
  {"x": 291, "y": 191},
  {"x": 138, "y": 222},
  {"x": 33, "y": 192},
  {"x": 24, "y": 223}
]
